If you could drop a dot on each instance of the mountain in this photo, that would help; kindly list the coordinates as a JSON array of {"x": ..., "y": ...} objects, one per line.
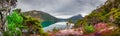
[
  {"x": 73, "y": 18},
  {"x": 76, "y": 17},
  {"x": 40, "y": 15}
]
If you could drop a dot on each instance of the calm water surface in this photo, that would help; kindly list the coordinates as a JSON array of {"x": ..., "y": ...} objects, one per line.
[{"x": 57, "y": 25}]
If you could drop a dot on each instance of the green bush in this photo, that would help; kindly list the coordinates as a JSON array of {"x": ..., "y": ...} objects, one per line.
[
  {"x": 14, "y": 22},
  {"x": 89, "y": 29}
]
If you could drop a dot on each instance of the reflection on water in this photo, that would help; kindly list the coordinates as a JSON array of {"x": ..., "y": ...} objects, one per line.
[{"x": 58, "y": 25}]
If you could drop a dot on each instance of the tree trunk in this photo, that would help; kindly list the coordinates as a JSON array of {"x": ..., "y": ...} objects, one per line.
[{"x": 6, "y": 14}]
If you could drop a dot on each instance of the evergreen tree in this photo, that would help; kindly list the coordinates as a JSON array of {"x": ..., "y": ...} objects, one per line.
[{"x": 34, "y": 25}]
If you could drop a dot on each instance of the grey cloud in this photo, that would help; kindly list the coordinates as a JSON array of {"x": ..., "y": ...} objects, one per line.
[{"x": 60, "y": 7}]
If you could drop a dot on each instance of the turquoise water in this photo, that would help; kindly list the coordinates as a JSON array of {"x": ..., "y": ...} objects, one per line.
[{"x": 47, "y": 23}]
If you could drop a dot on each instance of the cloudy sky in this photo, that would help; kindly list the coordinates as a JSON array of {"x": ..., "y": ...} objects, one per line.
[{"x": 60, "y": 8}]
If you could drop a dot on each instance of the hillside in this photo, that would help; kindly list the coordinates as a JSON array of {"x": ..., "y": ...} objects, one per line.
[
  {"x": 103, "y": 21},
  {"x": 40, "y": 15},
  {"x": 107, "y": 13},
  {"x": 75, "y": 18}
]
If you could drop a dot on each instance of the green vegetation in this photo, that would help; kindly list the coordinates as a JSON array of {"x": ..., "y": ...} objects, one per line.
[
  {"x": 34, "y": 25},
  {"x": 89, "y": 29},
  {"x": 14, "y": 24},
  {"x": 80, "y": 23},
  {"x": 113, "y": 16},
  {"x": 55, "y": 30},
  {"x": 5, "y": 10},
  {"x": 41, "y": 15},
  {"x": 115, "y": 32},
  {"x": 17, "y": 22},
  {"x": 108, "y": 13}
]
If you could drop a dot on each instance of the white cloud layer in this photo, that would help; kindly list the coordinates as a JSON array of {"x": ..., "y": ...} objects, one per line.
[{"x": 59, "y": 8}]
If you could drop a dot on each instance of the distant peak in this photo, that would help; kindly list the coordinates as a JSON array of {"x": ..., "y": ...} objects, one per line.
[{"x": 79, "y": 15}]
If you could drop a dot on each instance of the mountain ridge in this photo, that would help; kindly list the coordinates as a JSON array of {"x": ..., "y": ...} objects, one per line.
[
  {"x": 40, "y": 14},
  {"x": 75, "y": 17}
]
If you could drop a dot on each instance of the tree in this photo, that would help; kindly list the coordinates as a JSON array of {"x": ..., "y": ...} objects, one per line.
[
  {"x": 117, "y": 18},
  {"x": 92, "y": 18},
  {"x": 6, "y": 6},
  {"x": 33, "y": 25},
  {"x": 14, "y": 24},
  {"x": 69, "y": 23},
  {"x": 114, "y": 16},
  {"x": 78, "y": 23}
]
